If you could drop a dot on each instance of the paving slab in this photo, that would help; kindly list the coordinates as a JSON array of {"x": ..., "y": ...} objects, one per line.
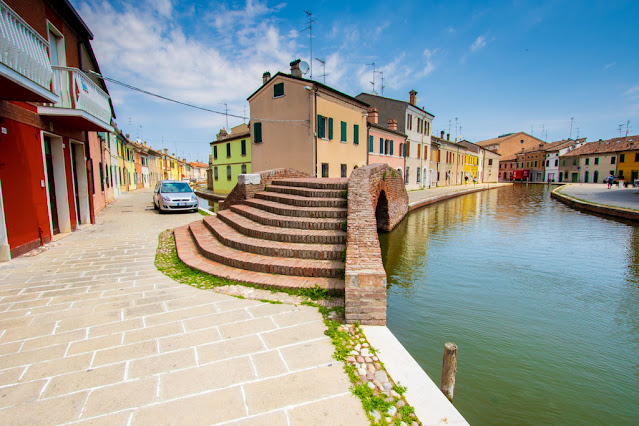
[{"x": 92, "y": 333}]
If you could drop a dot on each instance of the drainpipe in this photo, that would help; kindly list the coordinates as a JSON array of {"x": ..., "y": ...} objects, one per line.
[
  {"x": 312, "y": 124},
  {"x": 89, "y": 167}
]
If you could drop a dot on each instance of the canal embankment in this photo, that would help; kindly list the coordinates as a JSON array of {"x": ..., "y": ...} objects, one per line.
[
  {"x": 424, "y": 197},
  {"x": 597, "y": 198}
]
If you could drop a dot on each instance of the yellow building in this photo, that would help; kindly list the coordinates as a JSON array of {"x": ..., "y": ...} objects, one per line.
[
  {"x": 628, "y": 165},
  {"x": 305, "y": 125}
]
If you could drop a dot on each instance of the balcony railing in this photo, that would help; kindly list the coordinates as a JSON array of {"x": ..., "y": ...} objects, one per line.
[
  {"x": 77, "y": 91},
  {"x": 22, "y": 49}
]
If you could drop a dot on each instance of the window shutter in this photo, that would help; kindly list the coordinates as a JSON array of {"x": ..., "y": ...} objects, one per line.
[
  {"x": 330, "y": 128},
  {"x": 278, "y": 90},
  {"x": 370, "y": 144},
  {"x": 343, "y": 131},
  {"x": 257, "y": 132},
  {"x": 320, "y": 126},
  {"x": 391, "y": 150},
  {"x": 356, "y": 134},
  {"x": 381, "y": 145}
]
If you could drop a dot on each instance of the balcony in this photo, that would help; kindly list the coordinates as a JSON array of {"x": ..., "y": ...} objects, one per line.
[
  {"x": 82, "y": 103},
  {"x": 25, "y": 69}
]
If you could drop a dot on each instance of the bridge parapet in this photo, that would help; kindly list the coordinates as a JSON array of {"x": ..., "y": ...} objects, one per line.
[{"x": 377, "y": 200}]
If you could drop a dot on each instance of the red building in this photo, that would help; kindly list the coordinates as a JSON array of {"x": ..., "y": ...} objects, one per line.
[{"x": 48, "y": 107}]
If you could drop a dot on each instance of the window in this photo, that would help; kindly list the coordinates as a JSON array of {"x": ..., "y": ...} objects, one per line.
[
  {"x": 370, "y": 144},
  {"x": 409, "y": 123},
  {"x": 343, "y": 170},
  {"x": 228, "y": 173},
  {"x": 356, "y": 134},
  {"x": 587, "y": 161},
  {"x": 406, "y": 177},
  {"x": 547, "y": 163},
  {"x": 324, "y": 124},
  {"x": 427, "y": 128},
  {"x": 418, "y": 175},
  {"x": 622, "y": 158},
  {"x": 490, "y": 161},
  {"x": 257, "y": 132},
  {"x": 243, "y": 147},
  {"x": 574, "y": 162},
  {"x": 612, "y": 172},
  {"x": 343, "y": 131},
  {"x": 535, "y": 163},
  {"x": 419, "y": 155},
  {"x": 407, "y": 152},
  {"x": 401, "y": 149},
  {"x": 596, "y": 160},
  {"x": 386, "y": 146},
  {"x": 324, "y": 170},
  {"x": 566, "y": 175},
  {"x": 612, "y": 160},
  {"x": 563, "y": 163},
  {"x": 278, "y": 90},
  {"x": 228, "y": 149},
  {"x": 637, "y": 156},
  {"x": 215, "y": 172},
  {"x": 381, "y": 145},
  {"x": 391, "y": 146},
  {"x": 243, "y": 169},
  {"x": 101, "y": 178}
]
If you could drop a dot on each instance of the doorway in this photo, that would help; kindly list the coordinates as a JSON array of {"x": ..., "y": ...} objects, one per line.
[
  {"x": 53, "y": 202},
  {"x": 595, "y": 177}
]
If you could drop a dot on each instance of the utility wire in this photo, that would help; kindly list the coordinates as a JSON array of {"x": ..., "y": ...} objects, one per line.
[{"x": 146, "y": 92}]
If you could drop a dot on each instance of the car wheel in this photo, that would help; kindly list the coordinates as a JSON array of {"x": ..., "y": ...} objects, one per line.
[{"x": 155, "y": 206}]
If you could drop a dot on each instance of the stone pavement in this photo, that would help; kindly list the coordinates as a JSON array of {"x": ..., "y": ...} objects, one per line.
[
  {"x": 599, "y": 193},
  {"x": 91, "y": 332}
]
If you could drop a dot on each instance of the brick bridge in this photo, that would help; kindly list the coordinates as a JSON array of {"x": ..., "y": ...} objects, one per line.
[{"x": 283, "y": 229}]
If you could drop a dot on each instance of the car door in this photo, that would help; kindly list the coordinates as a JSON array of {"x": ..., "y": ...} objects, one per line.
[{"x": 156, "y": 192}]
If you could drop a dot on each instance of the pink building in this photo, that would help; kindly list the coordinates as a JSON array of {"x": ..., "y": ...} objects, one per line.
[{"x": 385, "y": 144}]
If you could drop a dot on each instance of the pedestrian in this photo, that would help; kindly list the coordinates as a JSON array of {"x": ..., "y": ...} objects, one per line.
[
  {"x": 465, "y": 180},
  {"x": 610, "y": 179},
  {"x": 474, "y": 181}
]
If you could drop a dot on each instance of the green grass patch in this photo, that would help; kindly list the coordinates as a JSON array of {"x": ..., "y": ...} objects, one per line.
[{"x": 168, "y": 262}]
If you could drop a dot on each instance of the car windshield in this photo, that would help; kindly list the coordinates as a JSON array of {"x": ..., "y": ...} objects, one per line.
[{"x": 172, "y": 187}]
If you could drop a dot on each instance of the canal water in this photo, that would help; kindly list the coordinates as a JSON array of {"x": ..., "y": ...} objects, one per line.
[{"x": 542, "y": 301}]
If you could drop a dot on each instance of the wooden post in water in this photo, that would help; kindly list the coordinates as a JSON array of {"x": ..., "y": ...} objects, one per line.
[{"x": 449, "y": 370}]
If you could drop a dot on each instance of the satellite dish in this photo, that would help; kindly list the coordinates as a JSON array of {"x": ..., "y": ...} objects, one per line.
[{"x": 304, "y": 67}]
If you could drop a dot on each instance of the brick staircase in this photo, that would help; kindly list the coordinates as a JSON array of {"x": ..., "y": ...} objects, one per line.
[{"x": 288, "y": 236}]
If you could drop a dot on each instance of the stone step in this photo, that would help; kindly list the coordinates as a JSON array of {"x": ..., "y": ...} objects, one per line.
[
  {"x": 296, "y": 200},
  {"x": 307, "y": 192},
  {"x": 323, "y": 183},
  {"x": 211, "y": 248},
  {"x": 295, "y": 211},
  {"x": 231, "y": 238},
  {"x": 271, "y": 219},
  {"x": 288, "y": 235},
  {"x": 189, "y": 254}
]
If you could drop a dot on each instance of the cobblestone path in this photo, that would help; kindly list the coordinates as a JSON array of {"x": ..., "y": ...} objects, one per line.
[{"x": 91, "y": 332}]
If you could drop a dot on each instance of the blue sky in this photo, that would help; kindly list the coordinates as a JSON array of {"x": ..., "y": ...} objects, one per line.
[{"x": 498, "y": 67}]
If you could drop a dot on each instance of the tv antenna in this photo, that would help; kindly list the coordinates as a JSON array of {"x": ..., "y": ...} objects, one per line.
[
  {"x": 323, "y": 62},
  {"x": 382, "y": 74},
  {"x": 226, "y": 113},
  {"x": 627, "y": 127},
  {"x": 310, "y": 23},
  {"x": 619, "y": 127},
  {"x": 304, "y": 67},
  {"x": 373, "y": 82},
  {"x": 571, "y": 120}
]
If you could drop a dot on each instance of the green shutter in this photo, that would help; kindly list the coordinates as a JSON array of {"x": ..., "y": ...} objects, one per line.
[
  {"x": 391, "y": 153},
  {"x": 257, "y": 130},
  {"x": 278, "y": 90},
  {"x": 330, "y": 128},
  {"x": 320, "y": 126},
  {"x": 343, "y": 128},
  {"x": 370, "y": 144},
  {"x": 356, "y": 134}
]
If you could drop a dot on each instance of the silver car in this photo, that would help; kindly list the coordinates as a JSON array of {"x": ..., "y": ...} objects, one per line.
[{"x": 173, "y": 195}]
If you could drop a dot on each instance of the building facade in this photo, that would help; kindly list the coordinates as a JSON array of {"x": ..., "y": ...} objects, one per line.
[
  {"x": 415, "y": 123},
  {"x": 231, "y": 156},
  {"x": 510, "y": 143},
  {"x": 48, "y": 105},
  {"x": 385, "y": 144},
  {"x": 593, "y": 162},
  {"x": 553, "y": 151},
  {"x": 305, "y": 125}
]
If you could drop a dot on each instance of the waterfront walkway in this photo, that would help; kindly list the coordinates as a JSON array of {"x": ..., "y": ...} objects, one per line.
[
  {"x": 598, "y": 193},
  {"x": 428, "y": 195},
  {"x": 91, "y": 331}
]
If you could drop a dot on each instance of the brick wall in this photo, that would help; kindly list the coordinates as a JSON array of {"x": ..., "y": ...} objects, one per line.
[
  {"x": 377, "y": 199},
  {"x": 243, "y": 192}
]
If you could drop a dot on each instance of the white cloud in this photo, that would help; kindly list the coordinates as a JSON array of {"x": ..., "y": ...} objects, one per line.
[
  {"x": 163, "y": 7},
  {"x": 429, "y": 67},
  {"x": 632, "y": 93},
  {"x": 143, "y": 49},
  {"x": 610, "y": 65},
  {"x": 479, "y": 43}
]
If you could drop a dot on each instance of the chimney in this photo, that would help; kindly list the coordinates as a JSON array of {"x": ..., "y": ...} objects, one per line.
[
  {"x": 266, "y": 77},
  {"x": 442, "y": 135},
  {"x": 373, "y": 115},
  {"x": 295, "y": 68},
  {"x": 447, "y": 136},
  {"x": 166, "y": 151},
  {"x": 392, "y": 124},
  {"x": 127, "y": 136},
  {"x": 144, "y": 143},
  {"x": 413, "y": 97},
  {"x": 222, "y": 134}
]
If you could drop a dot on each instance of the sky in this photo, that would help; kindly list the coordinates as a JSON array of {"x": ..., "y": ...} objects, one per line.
[{"x": 481, "y": 68}]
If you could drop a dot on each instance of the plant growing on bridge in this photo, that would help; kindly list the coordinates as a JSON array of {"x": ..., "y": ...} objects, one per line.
[
  {"x": 384, "y": 176},
  {"x": 345, "y": 194},
  {"x": 344, "y": 226}
]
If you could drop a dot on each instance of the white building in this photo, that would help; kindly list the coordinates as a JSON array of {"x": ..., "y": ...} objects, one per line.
[
  {"x": 553, "y": 151},
  {"x": 113, "y": 152}
]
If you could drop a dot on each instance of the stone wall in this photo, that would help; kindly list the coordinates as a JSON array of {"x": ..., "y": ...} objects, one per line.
[
  {"x": 247, "y": 186},
  {"x": 377, "y": 199}
]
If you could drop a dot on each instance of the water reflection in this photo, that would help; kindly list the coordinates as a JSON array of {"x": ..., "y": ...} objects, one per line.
[{"x": 541, "y": 299}]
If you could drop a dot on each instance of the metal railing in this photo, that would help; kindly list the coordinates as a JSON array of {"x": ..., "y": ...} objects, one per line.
[
  {"x": 22, "y": 49},
  {"x": 78, "y": 91}
]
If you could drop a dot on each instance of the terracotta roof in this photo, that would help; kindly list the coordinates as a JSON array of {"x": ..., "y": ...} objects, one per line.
[
  {"x": 499, "y": 139},
  {"x": 380, "y": 127},
  {"x": 231, "y": 136},
  {"x": 562, "y": 144},
  {"x": 198, "y": 164},
  {"x": 608, "y": 146},
  {"x": 511, "y": 157}
]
